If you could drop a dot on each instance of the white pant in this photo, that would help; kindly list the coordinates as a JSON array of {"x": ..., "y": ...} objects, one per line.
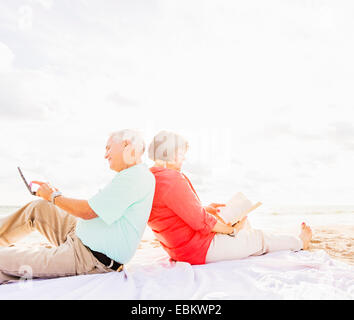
[{"x": 249, "y": 242}]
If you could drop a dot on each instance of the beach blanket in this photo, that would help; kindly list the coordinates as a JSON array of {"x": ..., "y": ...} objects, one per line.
[{"x": 152, "y": 275}]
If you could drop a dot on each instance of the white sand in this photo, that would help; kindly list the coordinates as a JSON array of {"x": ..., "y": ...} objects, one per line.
[{"x": 337, "y": 241}]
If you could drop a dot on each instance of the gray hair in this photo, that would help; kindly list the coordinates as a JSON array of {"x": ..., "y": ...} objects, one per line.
[
  {"x": 134, "y": 136},
  {"x": 166, "y": 146}
]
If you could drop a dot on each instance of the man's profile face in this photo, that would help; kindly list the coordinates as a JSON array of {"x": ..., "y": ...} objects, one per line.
[{"x": 114, "y": 154}]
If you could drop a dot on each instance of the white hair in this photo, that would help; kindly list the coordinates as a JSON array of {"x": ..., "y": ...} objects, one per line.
[
  {"x": 133, "y": 136},
  {"x": 166, "y": 146}
]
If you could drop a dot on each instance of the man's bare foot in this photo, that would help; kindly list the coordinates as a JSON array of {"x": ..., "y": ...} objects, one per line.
[{"x": 305, "y": 235}]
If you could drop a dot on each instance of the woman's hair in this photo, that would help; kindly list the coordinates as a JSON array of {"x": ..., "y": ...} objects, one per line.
[{"x": 166, "y": 146}]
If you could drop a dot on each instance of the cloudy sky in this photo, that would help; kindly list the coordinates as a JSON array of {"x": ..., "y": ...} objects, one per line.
[{"x": 263, "y": 90}]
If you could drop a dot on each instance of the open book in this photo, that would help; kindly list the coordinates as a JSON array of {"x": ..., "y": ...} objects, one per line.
[{"x": 237, "y": 208}]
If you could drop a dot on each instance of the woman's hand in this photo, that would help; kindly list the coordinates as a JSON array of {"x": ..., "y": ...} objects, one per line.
[
  {"x": 239, "y": 225},
  {"x": 213, "y": 209},
  {"x": 224, "y": 228}
]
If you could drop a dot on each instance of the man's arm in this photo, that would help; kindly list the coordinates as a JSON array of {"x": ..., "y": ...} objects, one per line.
[{"x": 77, "y": 208}]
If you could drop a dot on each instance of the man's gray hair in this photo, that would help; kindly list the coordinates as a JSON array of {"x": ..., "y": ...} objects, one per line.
[{"x": 134, "y": 136}]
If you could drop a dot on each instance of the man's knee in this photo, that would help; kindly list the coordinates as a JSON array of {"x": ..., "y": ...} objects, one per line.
[
  {"x": 39, "y": 206},
  {"x": 40, "y": 203}
]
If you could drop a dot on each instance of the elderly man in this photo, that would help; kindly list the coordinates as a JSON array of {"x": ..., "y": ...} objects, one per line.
[{"x": 94, "y": 236}]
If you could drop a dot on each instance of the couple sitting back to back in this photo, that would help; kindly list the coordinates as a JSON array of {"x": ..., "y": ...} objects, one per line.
[{"x": 102, "y": 234}]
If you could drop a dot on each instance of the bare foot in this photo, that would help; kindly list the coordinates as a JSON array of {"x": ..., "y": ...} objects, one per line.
[{"x": 305, "y": 235}]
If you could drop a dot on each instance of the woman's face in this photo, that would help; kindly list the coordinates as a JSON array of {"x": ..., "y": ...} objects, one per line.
[
  {"x": 175, "y": 165},
  {"x": 181, "y": 156}
]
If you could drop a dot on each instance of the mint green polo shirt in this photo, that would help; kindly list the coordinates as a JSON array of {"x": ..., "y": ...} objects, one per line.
[{"x": 123, "y": 208}]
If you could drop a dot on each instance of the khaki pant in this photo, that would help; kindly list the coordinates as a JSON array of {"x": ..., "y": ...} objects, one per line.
[
  {"x": 67, "y": 257},
  {"x": 249, "y": 242}
]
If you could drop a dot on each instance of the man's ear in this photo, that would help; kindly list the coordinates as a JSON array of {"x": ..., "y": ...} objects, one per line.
[
  {"x": 129, "y": 147},
  {"x": 126, "y": 143},
  {"x": 129, "y": 152}
]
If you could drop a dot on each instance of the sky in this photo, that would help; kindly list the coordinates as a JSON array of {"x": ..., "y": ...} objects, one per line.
[{"x": 263, "y": 91}]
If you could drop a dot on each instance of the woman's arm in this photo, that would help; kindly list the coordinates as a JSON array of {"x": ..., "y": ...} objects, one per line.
[
  {"x": 222, "y": 228},
  {"x": 181, "y": 199}
]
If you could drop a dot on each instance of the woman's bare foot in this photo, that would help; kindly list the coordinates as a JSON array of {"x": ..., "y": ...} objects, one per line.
[{"x": 305, "y": 235}]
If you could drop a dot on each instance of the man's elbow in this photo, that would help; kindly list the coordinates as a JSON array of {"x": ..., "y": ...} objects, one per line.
[
  {"x": 86, "y": 212},
  {"x": 88, "y": 215}
]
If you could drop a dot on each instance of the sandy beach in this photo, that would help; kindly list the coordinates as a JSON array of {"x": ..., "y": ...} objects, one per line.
[{"x": 337, "y": 241}]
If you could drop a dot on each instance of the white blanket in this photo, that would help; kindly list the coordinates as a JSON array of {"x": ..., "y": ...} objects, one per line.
[{"x": 151, "y": 275}]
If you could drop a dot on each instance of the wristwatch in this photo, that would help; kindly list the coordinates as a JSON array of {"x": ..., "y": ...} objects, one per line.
[{"x": 54, "y": 195}]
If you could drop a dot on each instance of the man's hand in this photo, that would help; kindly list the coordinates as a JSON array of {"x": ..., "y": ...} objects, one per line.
[
  {"x": 77, "y": 208},
  {"x": 45, "y": 190}
]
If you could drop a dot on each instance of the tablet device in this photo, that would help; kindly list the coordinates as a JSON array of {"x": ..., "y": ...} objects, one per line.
[{"x": 29, "y": 186}]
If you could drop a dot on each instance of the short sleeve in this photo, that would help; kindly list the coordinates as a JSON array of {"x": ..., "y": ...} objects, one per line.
[{"x": 112, "y": 201}]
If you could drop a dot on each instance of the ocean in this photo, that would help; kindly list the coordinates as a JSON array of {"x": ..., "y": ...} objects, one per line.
[
  {"x": 283, "y": 216},
  {"x": 4, "y": 210},
  {"x": 291, "y": 216}
]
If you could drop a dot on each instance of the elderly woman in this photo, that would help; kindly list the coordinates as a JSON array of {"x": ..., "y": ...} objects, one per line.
[{"x": 192, "y": 233}]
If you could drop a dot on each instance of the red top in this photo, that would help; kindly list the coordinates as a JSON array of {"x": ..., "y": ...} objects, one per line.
[{"x": 178, "y": 219}]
